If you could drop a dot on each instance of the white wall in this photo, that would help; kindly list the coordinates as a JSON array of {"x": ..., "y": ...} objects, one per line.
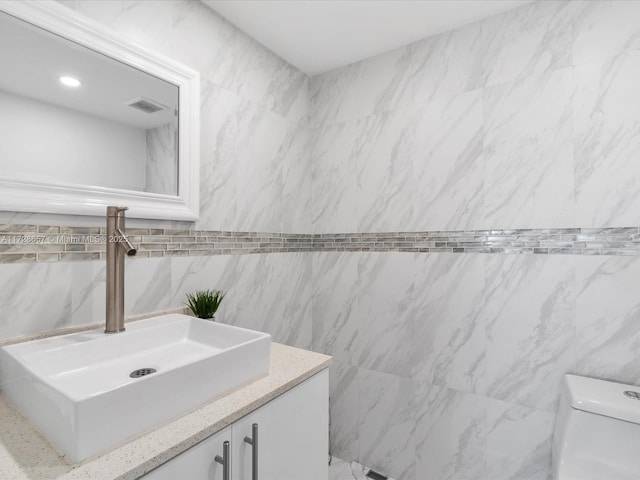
[{"x": 41, "y": 141}]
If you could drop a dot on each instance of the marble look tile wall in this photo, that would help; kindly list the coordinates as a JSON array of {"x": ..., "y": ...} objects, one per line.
[
  {"x": 271, "y": 292},
  {"x": 526, "y": 121},
  {"x": 523, "y": 120},
  {"x": 455, "y": 370}
]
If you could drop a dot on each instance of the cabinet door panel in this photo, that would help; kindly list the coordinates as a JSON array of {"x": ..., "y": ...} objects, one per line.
[
  {"x": 197, "y": 463},
  {"x": 293, "y": 435}
]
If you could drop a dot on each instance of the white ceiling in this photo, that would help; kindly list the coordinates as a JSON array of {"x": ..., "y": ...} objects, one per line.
[{"x": 319, "y": 35}]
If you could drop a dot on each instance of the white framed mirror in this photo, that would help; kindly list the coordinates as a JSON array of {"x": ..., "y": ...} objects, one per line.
[{"x": 89, "y": 120}]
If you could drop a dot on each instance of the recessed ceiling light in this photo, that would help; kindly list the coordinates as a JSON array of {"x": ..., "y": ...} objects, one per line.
[{"x": 70, "y": 81}]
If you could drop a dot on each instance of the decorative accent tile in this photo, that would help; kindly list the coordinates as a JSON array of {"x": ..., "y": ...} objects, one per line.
[
  {"x": 570, "y": 241},
  {"x": 35, "y": 243}
]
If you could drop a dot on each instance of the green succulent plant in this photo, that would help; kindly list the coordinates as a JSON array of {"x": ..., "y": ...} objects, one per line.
[{"x": 205, "y": 303}]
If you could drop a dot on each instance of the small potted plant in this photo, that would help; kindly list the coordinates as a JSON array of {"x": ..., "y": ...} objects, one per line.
[{"x": 205, "y": 303}]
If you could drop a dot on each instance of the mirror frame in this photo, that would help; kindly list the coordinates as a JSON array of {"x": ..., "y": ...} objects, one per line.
[{"x": 59, "y": 198}]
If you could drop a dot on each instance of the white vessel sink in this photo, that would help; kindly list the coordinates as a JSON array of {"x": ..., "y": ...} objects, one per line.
[{"x": 77, "y": 389}]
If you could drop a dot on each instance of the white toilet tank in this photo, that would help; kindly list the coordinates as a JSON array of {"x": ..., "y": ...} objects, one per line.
[{"x": 597, "y": 434}]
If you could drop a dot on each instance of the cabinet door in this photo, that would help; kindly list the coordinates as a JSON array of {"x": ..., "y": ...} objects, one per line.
[
  {"x": 197, "y": 463},
  {"x": 293, "y": 431}
]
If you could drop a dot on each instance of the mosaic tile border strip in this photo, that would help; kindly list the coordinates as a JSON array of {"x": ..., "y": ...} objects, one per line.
[
  {"x": 547, "y": 241},
  {"x": 40, "y": 243},
  {"x": 43, "y": 243}
]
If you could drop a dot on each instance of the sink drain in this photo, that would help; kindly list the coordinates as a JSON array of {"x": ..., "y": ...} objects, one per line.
[{"x": 141, "y": 372}]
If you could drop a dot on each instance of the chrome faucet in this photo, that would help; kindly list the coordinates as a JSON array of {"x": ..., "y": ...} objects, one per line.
[{"x": 117, "y": 245}]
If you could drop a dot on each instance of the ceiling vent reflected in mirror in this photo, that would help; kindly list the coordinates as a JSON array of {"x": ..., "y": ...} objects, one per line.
[{"x": 146, "y": 105}]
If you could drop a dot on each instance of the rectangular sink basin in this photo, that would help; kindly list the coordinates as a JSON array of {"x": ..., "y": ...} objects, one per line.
[{"x": 89, "y": 392}]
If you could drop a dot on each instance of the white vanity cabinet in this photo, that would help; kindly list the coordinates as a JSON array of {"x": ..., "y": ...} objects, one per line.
[
  {"x": 196, "y": 463},
  {"x": 292, "y": 433}
]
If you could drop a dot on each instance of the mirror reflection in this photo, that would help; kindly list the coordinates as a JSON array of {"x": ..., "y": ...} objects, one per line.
[{"x": 72, "y": 116}]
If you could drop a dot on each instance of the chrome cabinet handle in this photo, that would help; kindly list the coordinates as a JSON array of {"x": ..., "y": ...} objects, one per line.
[
  {"x": 225, "y": 461},
  {"x": 253, "y": 441}
]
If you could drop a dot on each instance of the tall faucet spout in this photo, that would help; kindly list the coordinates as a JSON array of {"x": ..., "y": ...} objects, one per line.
[
  {"x": 117, "y": 245},
  {"x": 129, "y": 249}
]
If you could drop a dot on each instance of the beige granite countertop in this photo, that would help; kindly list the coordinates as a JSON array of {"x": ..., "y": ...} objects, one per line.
[{"x": 26, "y": 455}]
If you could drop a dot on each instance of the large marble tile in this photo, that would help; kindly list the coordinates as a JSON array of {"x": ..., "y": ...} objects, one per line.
[
  {"x": 295, "y": 103},
  {"x": 36, "y": 297},
  {"x": 335, "y": 282},
  {"x": 217, "y": 272},
  {"x": 344, "y": 391},
  {"x": 518, "y": 442},
  {"x": 147, "y": 288},
  {"x": 89, "y": 292},
  {"x": 259, "y": 170},
  {"x": 528, "y": 146},
  {"x": 272, "y": 294},
  {"x": 386, "y": 437},
  {"x": 530, "y": 40},
  {"x": 295, "y": 156},
  {"x": 441, "y": 65},
  {"x": 147, "y": 285},
  {"x": 353, "y": 92},
  {"x": 607, "y": 140},
  {"x": 448, "y": 164},
  {"x": 385, "y": 296},
  {"x": 604, "y": 29},
  {"x": 420, "y": 168},
  {"x": 295, "y": 301},
  {"x": 221, "y": 119},
  {"x": 449, "y": 340},
  {"x": 243, "y": 146},
  {"x": 25, "y": 218},
  {"x": 384, "y": 172},
  {"x": 607, "y": 327},
  {"x": 450, "y": 434},
  {"x": 335, "y": 189},
  {"x": 530, "y": 318}
]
